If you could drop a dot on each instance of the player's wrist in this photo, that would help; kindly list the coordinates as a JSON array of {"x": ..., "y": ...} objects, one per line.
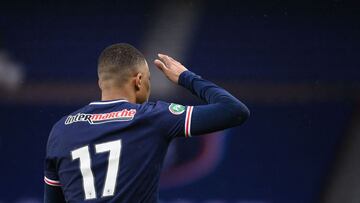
[{"x": 185, "y": 78}]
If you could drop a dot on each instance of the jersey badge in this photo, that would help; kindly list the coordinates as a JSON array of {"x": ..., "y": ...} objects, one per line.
[{"x": 176, "y": 109}]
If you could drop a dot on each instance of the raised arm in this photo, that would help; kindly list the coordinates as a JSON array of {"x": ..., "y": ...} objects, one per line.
[{"x": 222, "y": 109}]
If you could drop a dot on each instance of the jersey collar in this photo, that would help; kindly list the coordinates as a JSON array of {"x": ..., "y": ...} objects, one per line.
[{"x": 108, "y": 102}]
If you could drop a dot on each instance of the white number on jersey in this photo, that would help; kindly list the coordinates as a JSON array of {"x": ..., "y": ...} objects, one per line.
[{"x": 114, "y": 149}]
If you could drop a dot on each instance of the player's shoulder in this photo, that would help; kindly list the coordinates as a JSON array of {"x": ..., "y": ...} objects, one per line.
[
  {"x": 61, "y": 122},
  {"x": 150, "y": 106},
  {"x": 59, "y": 125},
  {"x": 162, "y": 107}
]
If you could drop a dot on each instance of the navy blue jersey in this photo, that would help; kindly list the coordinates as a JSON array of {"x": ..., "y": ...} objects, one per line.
[{"x": 113, "y": 151}]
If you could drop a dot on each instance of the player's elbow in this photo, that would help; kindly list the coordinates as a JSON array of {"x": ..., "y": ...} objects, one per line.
[{"x": 241, "y": 113}]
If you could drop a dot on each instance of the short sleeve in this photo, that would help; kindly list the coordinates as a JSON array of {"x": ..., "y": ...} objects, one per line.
[
  {"x": 50, "y": 174},
  {"x": 50, "y": 170},
  {"x": 175, "y": 119}
]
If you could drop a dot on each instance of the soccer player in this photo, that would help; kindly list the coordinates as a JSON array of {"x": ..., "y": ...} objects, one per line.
[{"x": 113, "y": 150}]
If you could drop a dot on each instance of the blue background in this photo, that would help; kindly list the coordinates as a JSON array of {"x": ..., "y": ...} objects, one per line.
[{"x": 285, "y": 151}]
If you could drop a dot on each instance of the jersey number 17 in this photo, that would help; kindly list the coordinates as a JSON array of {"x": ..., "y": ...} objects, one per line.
[{"x": 83, "y": 154}]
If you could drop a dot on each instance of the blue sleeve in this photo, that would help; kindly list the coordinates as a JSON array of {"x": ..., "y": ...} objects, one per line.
[
  {"x": 170, "y": 118},
  {"x": 221, "y": 111},
  {"x": 51, "y": 177}
]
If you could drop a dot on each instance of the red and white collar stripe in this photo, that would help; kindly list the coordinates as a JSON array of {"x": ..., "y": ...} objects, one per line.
[
  {"x": 189, "y": 111},
  {"x": 51, "y": 182}
]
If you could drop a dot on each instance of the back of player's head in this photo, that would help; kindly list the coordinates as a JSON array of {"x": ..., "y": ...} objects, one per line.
[{"x": 118, "y": 62}]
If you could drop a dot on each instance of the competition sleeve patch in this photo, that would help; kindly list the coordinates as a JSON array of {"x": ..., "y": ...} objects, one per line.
[{"x": 176, "y": 109}]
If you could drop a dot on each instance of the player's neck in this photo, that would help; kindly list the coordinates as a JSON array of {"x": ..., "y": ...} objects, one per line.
[{"x": 117, "y": 94}]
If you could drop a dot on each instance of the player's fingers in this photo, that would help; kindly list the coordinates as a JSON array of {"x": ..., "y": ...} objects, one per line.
[
  {"x": 165, "y": 59},
  {"x": 171, "y": 59},
  {"x": 159, "y": 64},
  {"x": 174, "y": 61},
  {"x": 161, "y": 56}
]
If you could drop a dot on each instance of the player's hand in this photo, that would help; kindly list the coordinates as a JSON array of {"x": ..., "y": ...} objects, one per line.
[{"x": 170, "y": 67}]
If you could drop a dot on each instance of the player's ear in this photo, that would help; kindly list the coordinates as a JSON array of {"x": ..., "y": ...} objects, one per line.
[
  {"x": 99, "y": 83},
  {"x": 138, "y": 81}
]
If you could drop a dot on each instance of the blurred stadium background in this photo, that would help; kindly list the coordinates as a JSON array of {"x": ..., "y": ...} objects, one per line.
[{"x": 295, "y": 63}]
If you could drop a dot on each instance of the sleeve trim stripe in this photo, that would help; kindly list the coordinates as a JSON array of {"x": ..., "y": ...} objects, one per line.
[
  {"x": 52, "y": 182},
  {"x": 191, "y": 110},
  {"x": 188, "y": 121}
]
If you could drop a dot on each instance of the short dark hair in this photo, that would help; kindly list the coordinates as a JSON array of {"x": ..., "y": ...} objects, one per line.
[{"x": 118, "y": 61}]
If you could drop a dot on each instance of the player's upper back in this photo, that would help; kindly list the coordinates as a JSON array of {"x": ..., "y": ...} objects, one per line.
[{"x": 112, "y": 151}]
